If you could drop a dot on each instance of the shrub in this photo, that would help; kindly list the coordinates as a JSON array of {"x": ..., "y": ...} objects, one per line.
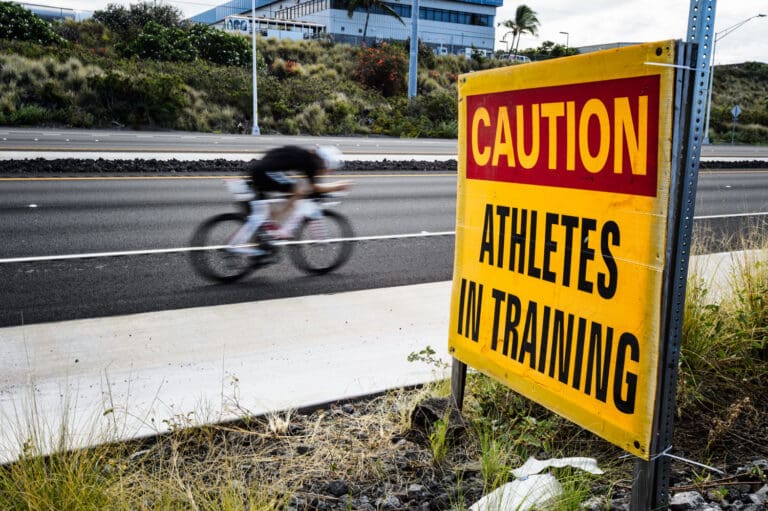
[
  {"x": 88, "y": 33},
  {"x": 427, "y": 84},
  {"x": 382, "y": 68},
  {"x": 127, "y": 23},
  {"x": 53, "y": 96},
  {"x": 312, "y": 120},
  {"x": 21, "y": 24},
  {"x": 202, "y": 116},
  {"x": 28, "y": 115},
  {"x": 220, "y": 47},
  {"x": 139, "y": 100},
  {"x": 439, "y": 108},
  {"x": 157, "y": 42},
  {"x": 284, "y": 69},
  {"x": 341, "y": 115}
]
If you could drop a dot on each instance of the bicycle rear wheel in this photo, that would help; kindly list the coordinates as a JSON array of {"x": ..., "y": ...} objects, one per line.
[
  {"x": 322, "y": 245},
  {"x": 217, "y": 263}
]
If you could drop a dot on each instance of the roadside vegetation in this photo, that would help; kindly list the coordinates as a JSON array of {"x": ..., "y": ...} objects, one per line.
[
  {"x": 144, "y": 68},
  {"x": 379, "y": 453},
  {"x": 745, "y": 85}
]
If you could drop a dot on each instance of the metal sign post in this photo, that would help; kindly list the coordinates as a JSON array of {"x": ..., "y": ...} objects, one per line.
[{"x": 650, "y": 489}]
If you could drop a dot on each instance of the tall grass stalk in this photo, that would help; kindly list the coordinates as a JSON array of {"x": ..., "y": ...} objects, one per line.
[
  {"x": 495, "y": 458},
  {"x": 725, "y": 332}
]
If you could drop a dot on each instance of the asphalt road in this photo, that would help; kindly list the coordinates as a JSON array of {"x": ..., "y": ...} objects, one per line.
[
  {"x": 54, "y": 217},
  {"x": 45, "y": 218}
]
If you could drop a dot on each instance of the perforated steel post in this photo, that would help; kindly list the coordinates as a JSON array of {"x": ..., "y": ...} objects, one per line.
[{"x": 650, "y": 489}]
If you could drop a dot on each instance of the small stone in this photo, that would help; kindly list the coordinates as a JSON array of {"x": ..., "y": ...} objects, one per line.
[
  {"x": 760, "y": 497},
  {"x": 338, "y": 488},
  {"x": 388, "y": 502},
  {"x": 618, "y": 505},
  {"x": 760, "y": 464},
  {"x": 593, "y": 504},
  {"x": 686, "y": 500},
  {"x": 441, "y": 502},
  {"x": 416, "y": 490},
  {"x": 138, "y": 454},
  {"x": 304, "y": 449},
  {"x": 348, "y": 408}
]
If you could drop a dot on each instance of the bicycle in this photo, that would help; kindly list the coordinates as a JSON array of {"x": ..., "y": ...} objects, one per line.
[{"x": 319, "y": 238}]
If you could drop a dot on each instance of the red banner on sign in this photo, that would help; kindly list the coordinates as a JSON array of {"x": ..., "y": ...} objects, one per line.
[{"x": 600, "y": 136}]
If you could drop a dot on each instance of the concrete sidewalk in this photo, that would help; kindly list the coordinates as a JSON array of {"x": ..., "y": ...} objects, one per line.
[{"x": 213, "y": 363}]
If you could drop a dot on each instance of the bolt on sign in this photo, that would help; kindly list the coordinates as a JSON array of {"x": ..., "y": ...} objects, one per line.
[{"x": 562, "y": 210}]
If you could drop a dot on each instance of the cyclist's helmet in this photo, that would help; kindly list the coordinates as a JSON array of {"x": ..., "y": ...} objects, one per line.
[{"x": 331, "y": 157}]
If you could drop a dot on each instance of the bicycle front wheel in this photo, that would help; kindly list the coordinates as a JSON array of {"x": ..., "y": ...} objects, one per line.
[
  {"x": 322, "y": 244},
  {"x": 211, "y": 255}
]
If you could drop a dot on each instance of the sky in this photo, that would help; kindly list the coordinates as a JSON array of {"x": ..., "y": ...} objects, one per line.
[{"x": 589, "y": 22}]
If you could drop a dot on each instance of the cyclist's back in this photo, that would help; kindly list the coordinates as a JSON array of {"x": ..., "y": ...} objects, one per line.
[{"x": 268, "y": 173}]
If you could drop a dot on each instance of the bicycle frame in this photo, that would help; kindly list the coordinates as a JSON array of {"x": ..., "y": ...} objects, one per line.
[{"x": 309, "y": 208}]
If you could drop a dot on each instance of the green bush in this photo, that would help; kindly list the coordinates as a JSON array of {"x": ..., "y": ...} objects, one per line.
[
  {"x": 157, "y": 42},
  {"x": 53, "y": 96},
  {"x": 28, "y": 115},
  {"x": 139, "y": 100},
  {"x": 341, "y": 114},
  {"x": 220, "y": 47},
  {"x": 128, "y": 23},
  {"x": 21, "y": 24},
  {"x": 312, "y": 120},
  {"x": 88, "y": 33}
]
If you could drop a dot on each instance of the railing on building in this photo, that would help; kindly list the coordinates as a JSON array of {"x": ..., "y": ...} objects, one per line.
[{"x": 272, "y": 27}]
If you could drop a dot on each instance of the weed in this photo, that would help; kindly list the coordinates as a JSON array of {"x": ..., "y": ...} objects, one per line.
[
  {"x": 438, "y": 441},
  {"x": 279, "y": 423},
  {"x": 495, "y": 457},
  {"x": 575, "y": 485},
  {"x": 428, "y": 356},
  {"x": 722, "y": 426}
]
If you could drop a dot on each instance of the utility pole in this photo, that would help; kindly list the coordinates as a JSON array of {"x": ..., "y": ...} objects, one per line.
[
  {"x": 255, "y": 130},
  {"x": 413, "y": 65}
]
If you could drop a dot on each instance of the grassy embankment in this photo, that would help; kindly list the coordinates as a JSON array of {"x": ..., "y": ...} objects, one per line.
[{"x": 305, "y": 87}]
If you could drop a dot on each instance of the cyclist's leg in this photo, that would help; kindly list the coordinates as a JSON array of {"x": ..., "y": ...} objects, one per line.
[
  {"x": 239, "y": 244},
  {"x": 279, "y": 184}
]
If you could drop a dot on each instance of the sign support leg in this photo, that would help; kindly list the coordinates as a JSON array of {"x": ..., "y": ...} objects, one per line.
[{"x": 458, "y": 381}]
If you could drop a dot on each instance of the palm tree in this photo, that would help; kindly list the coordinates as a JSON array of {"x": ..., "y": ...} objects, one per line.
[
  {"x": 525, "y": 22},
  {"x": 369, "y": 5}
]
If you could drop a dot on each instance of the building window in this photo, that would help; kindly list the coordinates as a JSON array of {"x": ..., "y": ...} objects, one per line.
[
  {"x": 404, "y": 11},
  {"x": 463, "y": 18}
]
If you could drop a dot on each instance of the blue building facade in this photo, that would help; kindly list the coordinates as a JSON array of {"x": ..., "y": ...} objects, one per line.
[{"x": 448, "y": 26}]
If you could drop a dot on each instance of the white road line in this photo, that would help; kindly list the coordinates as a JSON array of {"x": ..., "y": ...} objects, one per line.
[
  {"x": 94, "y": 255},
  {"x": 732, "y": 215}
]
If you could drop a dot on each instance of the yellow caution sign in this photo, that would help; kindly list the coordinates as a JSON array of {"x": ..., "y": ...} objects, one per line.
[{"x": 563, "y": 197}]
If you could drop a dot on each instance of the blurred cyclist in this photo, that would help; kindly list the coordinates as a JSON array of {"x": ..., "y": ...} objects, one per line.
[{"x": 269, "y": 175}]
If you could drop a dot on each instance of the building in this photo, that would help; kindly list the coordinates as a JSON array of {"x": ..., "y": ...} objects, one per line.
[
  {"x": 447, "y": 26},
  {"x": 50, "y": 13}
]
